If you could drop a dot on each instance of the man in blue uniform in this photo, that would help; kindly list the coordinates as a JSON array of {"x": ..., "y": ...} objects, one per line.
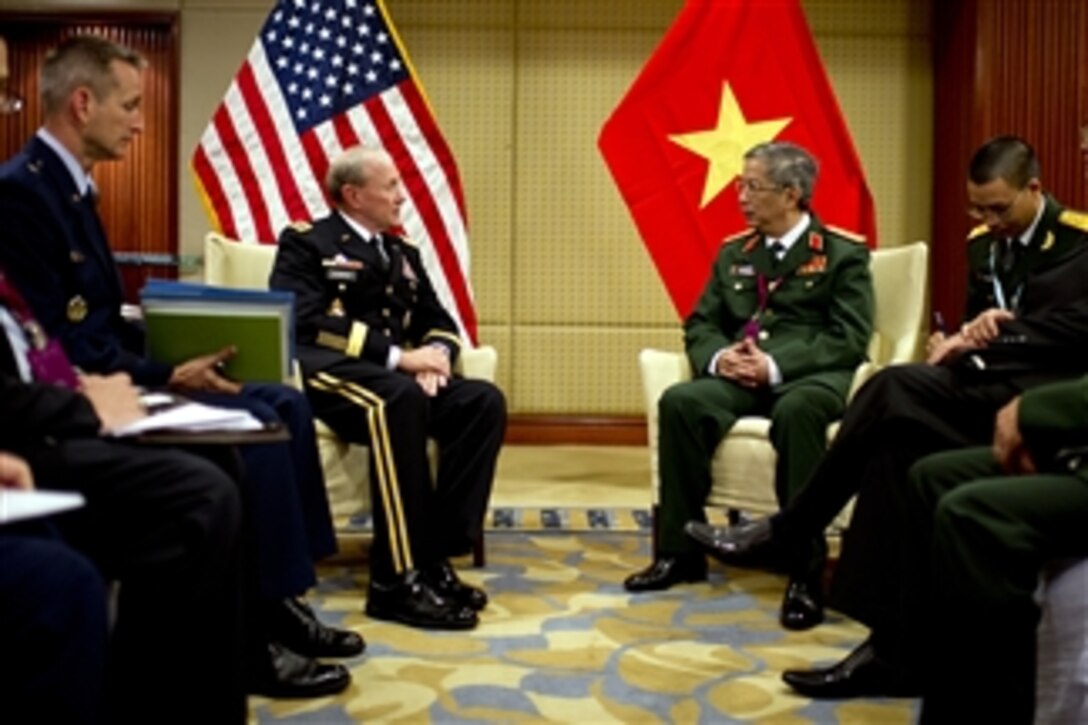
[
  {"x": 56, "y": 252},
  {"x": 377, "y": 351}
]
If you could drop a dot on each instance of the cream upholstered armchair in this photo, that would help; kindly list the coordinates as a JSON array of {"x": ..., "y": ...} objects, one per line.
[
  {"x": 229, "y": 263},
  {"x": 742, "y": 470}
]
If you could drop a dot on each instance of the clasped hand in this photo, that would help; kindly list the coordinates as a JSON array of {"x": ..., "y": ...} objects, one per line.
[
  {"x": 430, "y": 365},
  {"x": 744, "y": 363}
]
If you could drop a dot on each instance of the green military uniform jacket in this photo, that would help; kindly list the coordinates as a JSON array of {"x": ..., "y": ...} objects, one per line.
[
  {"x": 816, "y": 313},
  {"x": 1060, "y": 232},
  {"x": 1054, "y": 423}
]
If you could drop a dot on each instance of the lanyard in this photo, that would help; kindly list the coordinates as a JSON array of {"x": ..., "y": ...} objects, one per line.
[
  {"x": 999, "y": 288},
  {"x": 48, "y": 363},
  {"x": 764, "y": 289}
]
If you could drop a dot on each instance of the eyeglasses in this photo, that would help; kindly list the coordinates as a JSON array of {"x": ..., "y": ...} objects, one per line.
[
  {"x": 751, "y": 186},
  {"x": 1000, "y": 212}
]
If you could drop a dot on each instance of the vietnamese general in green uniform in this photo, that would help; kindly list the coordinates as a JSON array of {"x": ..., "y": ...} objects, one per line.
[{"x": 779, "y": 330}]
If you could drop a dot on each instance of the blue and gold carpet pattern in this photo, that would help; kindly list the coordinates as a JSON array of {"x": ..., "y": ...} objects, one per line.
[
  {"x": 562, "y": 641},
  {"x": 569, "y": 518}
]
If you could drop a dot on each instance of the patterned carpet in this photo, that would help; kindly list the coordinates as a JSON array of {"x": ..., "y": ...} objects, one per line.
[{"x": 563, "y": 642}]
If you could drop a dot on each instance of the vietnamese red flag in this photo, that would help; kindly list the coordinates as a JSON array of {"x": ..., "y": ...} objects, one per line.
[{"x": 729, "y": 74}]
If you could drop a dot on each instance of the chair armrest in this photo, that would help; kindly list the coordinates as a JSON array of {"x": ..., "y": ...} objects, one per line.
[
  {"x": 479, "y": 362},
  {"x": 660, "y": 369}
]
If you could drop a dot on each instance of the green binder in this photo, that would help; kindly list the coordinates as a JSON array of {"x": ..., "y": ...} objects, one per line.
[{"x": 185, "y": 321}]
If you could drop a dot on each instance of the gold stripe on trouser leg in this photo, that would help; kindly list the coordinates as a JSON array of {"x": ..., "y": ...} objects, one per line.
[
  {"x": 383, "y": 448},
  {"x": 399, "y": 548}
]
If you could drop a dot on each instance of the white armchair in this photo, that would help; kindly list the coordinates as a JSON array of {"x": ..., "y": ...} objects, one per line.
[
  {"x": 230, "y": 263},
  {"x": 742, "y": 470}
]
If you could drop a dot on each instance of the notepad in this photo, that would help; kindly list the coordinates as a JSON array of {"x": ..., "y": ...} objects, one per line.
[
  {"x": 17, "y": 504},
  {"x": 185, "y": 321}
]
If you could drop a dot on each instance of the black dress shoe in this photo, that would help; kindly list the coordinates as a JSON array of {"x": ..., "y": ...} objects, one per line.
[
  {"x": 861, "y": 674},
  {"x": 666, "y": 571},
  {"x": 411, "y": 600},
  {"x": 278, "y": 672},
  {"x": 444, "y": 580},
  {"x": 747, "y": 544},
  {"x": 802, "y": 606},
  {"x": 294, "y": 624}
]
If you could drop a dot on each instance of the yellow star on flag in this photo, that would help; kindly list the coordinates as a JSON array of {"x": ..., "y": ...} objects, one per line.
[{"x": 724, "y": 146}]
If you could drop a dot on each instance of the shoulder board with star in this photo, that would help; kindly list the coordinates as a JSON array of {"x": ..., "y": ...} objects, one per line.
[
  {"x": 846, "y": 234},
  {"x": 1074, "y": 218},
  {"x": 301, "y": 226},
  {"x": 977, "y": 232}
]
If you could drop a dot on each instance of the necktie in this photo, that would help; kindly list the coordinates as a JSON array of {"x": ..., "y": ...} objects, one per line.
[
  {"x": 1011, "y": 253},
  {"x": 777, "y": 250},
  {"x": 379, "y": 244},
  {"x": 46, "y": 357}
]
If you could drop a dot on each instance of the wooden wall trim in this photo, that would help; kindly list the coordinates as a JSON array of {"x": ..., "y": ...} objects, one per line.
[
  {"x": 138, "y": 195},
  {"x": 574, "y": 429}
]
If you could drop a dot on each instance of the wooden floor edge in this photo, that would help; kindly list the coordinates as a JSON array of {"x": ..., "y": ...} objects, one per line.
[{"x": 576, "y": 429}]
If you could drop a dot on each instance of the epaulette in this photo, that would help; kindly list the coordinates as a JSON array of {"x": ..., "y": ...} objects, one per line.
[
  {"x": 301, "y": 226},
  {"x": 977, "y": 232},
  {"x": 846, "y": 234},
  {"x": 1074, "y": 218},
  {"x": 738, "y": 236}
]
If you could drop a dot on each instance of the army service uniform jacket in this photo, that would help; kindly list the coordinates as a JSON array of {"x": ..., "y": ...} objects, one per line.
[
  {"x": 349, "y": 302},
  {"x": 812, "y": 311}
]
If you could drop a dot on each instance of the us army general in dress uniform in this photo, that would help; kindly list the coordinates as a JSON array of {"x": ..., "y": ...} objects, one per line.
[
  {"x": 377, "y": 350},
  {"x": 774, "y": 334}
]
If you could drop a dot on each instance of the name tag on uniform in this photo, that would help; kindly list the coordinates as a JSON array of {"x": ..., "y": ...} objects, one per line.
[
  {"x": 743, "y": 270},
  {"x": 334, "y": 274}
]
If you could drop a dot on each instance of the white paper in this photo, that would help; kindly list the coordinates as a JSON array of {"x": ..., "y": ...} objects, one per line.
[
  {"x": 192, "y": 417},
  {"x": 17, "y": 504}
]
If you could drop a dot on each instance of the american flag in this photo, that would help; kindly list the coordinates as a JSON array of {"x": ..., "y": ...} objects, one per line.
[{"x": 322, "y": 76}]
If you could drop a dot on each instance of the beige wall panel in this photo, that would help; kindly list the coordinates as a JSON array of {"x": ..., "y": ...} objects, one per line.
[
  {"x": 500, "y": 337},
  {"x": 591, "y": 371},
  {"x": 469, "y": 79},
  {"x": 577, "y": 259},
  {"x": 214, "y": 42},
  {"x": 891, "y": 125},
  {"x": 456, "y": 14},
  {"x": 867, "y": 17},
  {"x": 610, "y": 15}
]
